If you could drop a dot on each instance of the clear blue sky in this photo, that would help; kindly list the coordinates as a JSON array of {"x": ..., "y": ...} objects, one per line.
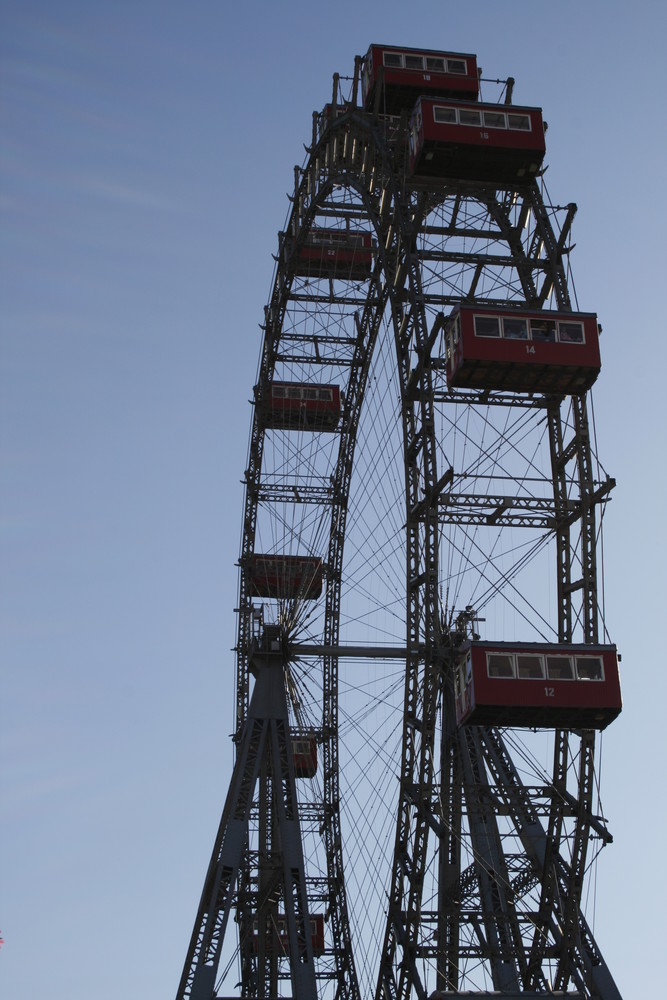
[{"x": 146, "y": 151}]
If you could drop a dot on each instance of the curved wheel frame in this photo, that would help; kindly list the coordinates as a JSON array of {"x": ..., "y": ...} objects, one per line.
[
  {"x": 350, "y": 155},
  {"x": 475, "y": 766},
  {"x": 451, "y": 923}
]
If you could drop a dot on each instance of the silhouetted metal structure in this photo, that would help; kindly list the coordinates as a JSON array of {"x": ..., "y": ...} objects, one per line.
[{"x": 409, "y": 488}]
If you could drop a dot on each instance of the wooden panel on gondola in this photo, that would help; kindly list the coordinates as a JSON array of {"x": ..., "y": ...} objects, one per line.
[
  {"x": 304, "y": 756},
  {"x": 404, "y": 73},
  {"x": 302, "y": 406},
  {"x": 335, "y": 253},
  {"x": 475, "y": 142},
  {"x": 566, "y": 686},
  {"x": 545, "y": 351},
  {"x": 316, "y": 934},
  {"x": 285, "y": 577}
]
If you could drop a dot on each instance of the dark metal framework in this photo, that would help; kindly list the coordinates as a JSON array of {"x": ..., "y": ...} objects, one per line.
[{"x": 423, "y": 501}]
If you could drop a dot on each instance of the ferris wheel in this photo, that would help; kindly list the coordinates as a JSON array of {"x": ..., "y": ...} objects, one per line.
[{"x": 422, "y": 660}]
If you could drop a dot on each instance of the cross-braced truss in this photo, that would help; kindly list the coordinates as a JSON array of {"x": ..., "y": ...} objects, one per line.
[{"x": 439, "y": 858}]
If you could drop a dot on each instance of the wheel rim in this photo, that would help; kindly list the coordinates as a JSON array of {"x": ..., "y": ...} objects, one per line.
[{"x": 423, "y": 430}]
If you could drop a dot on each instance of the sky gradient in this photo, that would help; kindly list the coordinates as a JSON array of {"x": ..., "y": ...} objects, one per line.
[{"x": 146, "y": 152}]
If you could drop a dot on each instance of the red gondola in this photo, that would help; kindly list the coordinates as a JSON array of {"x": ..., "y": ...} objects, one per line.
[
  {"x": 285, "y": 576},
  {"x": 336, "y": 253},
  {"x": 329, "y": 112},
  {"x": 571, "y": 686},
  {"x": 302, "y": 406},
  {"x": 304, "y": 755},
  {"x": 316, "y": 934},
  {"x": 477, "y": 142},
  {"x": 402, "y": 74},
  {"x": 543, "y": 351}
]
